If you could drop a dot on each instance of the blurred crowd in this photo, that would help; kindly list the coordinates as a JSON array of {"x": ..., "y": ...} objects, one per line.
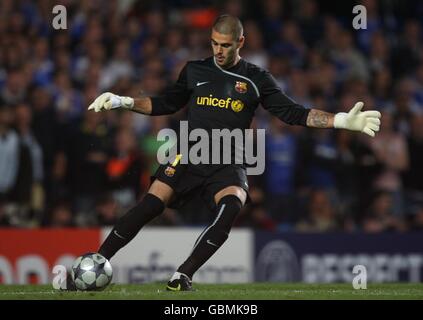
[{"x": 62, "y": 166}]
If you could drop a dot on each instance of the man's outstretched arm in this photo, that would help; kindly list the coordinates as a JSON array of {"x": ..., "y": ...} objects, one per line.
[
  {"x": 367, "y": 122},
  {"x": 174, "y": 99},
  {"x": 280, "y": 105},
  {"x": 143, "y": 105},
  {"x": 320, "y": 119},
  {"x": 108, "y": 101}
]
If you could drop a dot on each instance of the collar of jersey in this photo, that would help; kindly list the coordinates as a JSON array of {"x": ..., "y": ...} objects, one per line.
[
  {"x": 237, "y": 75},
  {"x": 232, "y": 69}
]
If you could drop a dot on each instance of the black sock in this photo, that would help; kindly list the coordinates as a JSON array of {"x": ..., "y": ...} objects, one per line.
[
  {"x": 130, "y": 224},
  {"x": 212, "y": 238}
]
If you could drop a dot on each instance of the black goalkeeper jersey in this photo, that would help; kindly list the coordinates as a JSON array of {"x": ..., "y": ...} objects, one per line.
[{"x": 226, "y": 98}]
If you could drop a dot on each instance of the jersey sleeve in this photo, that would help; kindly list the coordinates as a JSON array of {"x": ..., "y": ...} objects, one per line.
[
  {"x": 175, "y": 98},
  {"x": 280, "y": 105}
]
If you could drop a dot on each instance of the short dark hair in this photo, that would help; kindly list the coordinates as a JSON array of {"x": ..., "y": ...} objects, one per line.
[{"x": 227, "y": 24}]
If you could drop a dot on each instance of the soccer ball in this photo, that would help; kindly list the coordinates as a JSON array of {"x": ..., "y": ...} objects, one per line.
[{"x": 91, "y": 271}]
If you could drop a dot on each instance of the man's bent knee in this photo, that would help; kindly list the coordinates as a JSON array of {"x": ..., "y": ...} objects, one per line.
[
  {"x": 231, "y": 190},
  {"x": 161, "y": 190}
]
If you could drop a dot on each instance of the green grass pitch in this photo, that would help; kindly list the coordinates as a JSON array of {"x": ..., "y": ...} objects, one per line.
[{"x": 253, "y": 291}]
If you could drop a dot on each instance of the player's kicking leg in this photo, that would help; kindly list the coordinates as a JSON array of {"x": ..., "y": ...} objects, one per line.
[
  {"x": 229, "y": 202},
  {"x": 128, "y": 226}
]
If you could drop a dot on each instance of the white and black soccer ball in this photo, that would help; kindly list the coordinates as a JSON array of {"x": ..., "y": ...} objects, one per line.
[{"x": 91, "y": 271}]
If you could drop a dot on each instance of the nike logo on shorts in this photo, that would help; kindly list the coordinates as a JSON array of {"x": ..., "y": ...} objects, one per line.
[{"x": 201, "y": 83}]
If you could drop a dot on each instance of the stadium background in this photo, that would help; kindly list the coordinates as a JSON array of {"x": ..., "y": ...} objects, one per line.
[{"x": 328, "y": 199}]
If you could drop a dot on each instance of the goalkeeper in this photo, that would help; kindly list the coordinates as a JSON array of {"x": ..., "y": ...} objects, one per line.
[{"x": 206, "y": 88}]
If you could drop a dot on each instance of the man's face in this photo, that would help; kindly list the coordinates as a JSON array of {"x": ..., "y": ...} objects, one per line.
[{"x": 225, "y": 48}]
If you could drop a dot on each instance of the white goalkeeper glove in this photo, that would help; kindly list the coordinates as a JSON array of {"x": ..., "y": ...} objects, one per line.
[
  {"x": 367, "y": 121},
  {"x": 108, "y": 100}
]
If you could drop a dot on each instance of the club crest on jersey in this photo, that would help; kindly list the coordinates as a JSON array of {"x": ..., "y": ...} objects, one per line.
[
  {"x": 170, "y": 171},
  {"x": 241, "y": 87}
]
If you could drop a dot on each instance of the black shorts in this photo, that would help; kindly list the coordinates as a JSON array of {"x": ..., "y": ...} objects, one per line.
[{"x": 187, "y": 183}]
